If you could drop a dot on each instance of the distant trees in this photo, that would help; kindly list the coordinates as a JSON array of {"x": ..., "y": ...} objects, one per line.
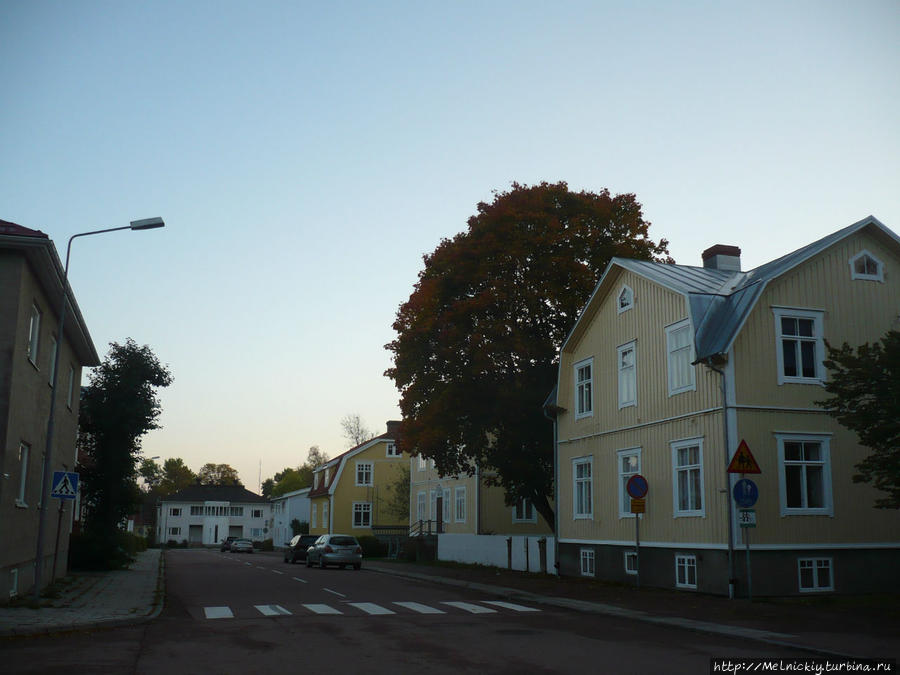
[
  {"x": 355, "y": 430},
  {"x": 172, "y": 476},
  {"x": 118, "y": 407},
  {"x": 476, "y": 349},
  {"x": 865, "y": 387},
  {"x": 290, "y": 479},
  {"x": 218, "y": 474}
]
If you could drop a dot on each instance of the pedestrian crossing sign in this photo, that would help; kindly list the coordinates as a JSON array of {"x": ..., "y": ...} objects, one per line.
[{"x": 65, "y": 485}]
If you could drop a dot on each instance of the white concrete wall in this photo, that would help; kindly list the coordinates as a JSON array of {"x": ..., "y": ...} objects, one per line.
[{"x": 483, "y": 549}]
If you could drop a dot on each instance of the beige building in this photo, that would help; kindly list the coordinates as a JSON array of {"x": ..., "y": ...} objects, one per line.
[
  {"x": 31, "y": 279},
  {"x": 640, "y": 391}
]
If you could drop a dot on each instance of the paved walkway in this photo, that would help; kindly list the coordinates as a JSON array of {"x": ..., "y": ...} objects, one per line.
[{"x": 825, "y": 626}]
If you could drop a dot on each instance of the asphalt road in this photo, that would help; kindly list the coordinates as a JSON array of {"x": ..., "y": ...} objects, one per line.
[{"x": 240, "y": 613}]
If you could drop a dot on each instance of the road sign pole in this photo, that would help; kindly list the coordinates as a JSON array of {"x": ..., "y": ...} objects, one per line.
[
  {"x": 637, "y": 546},
  {"x": 56, "y": 550},
  {"x": 749, "y": 576}
]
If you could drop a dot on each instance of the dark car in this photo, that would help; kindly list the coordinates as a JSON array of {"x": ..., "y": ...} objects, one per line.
[
  {"x": 297, "y": 547},
  {"x": 226, "y": 543},
  {"x": 335, "y": 549}
]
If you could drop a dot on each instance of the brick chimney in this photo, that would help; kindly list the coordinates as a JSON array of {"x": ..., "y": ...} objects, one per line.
[
  {"x": 393, "y": 428},
  {"x": 722, "y": 257}
]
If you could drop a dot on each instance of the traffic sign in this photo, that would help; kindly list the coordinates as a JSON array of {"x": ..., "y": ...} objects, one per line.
[
  {"x": 638, "y": 505},
  {"x": 743, "y": 461},
  {"x": 747, "y": 518},
  {"x": 65, "y": 485},
  {"x": 637, "y": 487},
  {"x": 745, "y": 493}
]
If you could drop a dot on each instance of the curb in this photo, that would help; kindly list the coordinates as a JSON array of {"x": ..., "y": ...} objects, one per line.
[{"x": 587, "y": 607}]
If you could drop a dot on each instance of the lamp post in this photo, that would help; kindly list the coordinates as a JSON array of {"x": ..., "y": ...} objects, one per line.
[{"x": 145, "y": 224}]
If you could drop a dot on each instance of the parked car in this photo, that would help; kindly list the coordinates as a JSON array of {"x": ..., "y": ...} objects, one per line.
[
  {"x": 297, "y": 547},
  {"x": 335, "y": 549},
  {"x": 242, "y": 546},
  {"x": 226, "y": 543}
]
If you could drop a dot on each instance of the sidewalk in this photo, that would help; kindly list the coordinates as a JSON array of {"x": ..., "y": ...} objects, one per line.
[{"x": 92, "y": 599}]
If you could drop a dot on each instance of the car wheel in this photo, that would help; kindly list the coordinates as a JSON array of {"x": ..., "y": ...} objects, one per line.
[{"x": 357, "y": 566}]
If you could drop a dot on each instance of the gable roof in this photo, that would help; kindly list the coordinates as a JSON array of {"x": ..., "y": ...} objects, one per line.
[
  {"x": 719, "y": 301},
  {"x": 216, "y": 493},
  {"x": 337, "y": 463}
]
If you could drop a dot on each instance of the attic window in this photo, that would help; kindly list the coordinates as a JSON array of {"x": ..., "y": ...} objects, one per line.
[
  {"x": 626, "y": 299},
  {"x": 867, "y": 267}
]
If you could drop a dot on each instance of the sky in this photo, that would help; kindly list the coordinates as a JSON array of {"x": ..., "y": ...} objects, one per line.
[{"x": 305, "y": 156}]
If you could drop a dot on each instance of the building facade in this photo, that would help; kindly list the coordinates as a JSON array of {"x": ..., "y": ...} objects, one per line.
[
  {"x": 670, "y": 367},
  {"x": 204, "y": 515},
  {"x": 31, "y": 279},
  {"x": 287, "y": 508}
]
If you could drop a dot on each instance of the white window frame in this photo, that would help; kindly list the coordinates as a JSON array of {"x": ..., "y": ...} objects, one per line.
[
  {"x": 624, "y": 498},
  {"x": 588, "y": 562},
  {"x": 677, "y": 511},
  {"x": 445, "y": 505},
  {"x": 34, "y": 335},
  {"x": 686, "y": 562},
  {"x": 523, "y": 507},
  {"x": 256, "y": 513},
  {"x": 879, "y": 273},
  {"x": 175, "y": 512},
  {"x": 817, "y": 316},
  {"x": 24, "y": 459},
  {"x": 631, "y": 561},
  {"x": 423, "y": 463},
  {"x": 392, "y": 451},
  {"x": 686, "y": 352},
  {"x": 824, "y": 441},
  {"x": 459, "y": 500},
  {"x": 313, "y": 514},
  {"x": 626, "y": 373},
  {"x": 325, "y": 515},
  {"x": 578, "y": 484},
  {"x": 584, "y": 389},
  {"x": 256, "y": 532},
  {"x": 628, "y": 292},
  {"x": 174, "y": 531},
  {"x": 364, "y": 473},
  {"x": 196, "y": 510},
  {"x": 815, "y": 564},
  {"x": 362, "y": 515},
  {"x": 422, "y": 505}
]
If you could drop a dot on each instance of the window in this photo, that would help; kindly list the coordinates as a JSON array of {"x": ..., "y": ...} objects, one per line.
[
  {"x": 627, "y": 377},
  {"x": 804, "y": 474},
  {"x": 237, "y": 511},
  {"x": 196, "y": 510},
  {"x": 815, "y": 574},
  {"x": 175, "y": 513},
  {"x": 588, "y": 569},
  {"x": 800, "y": 347},
  {"x": 631, "y": 562},
  {"x": 686, "y": 571},
  {"x": 174, "y": 530},
  {"x": 256, "y": 532},
  {"x": 583, "y": 506},
  {"x": 680, "y": 355},
  {"x": 70, "y": 394},
  {"x": 867, "y": 267},
  {"x": 445, "y": 505},
  {"x": 34, "y": 334},
  {"x": 459, "y": 511},
  {"x": 584, "y": 386},
  {"x": 523, "y": 512},
  {"x": 422, "y": 463},
  {"x": 52, "y": 359},
  {"x": 626, "y": 299},
  {"x": 257, "y": 513},
  {"x": 24, "y": 454},
  {"x": 629, "y": 462},
  {"x": 325, "y": 516},
  {"x": 312, "y": 515},
  {"x": 392, "y": 450},
  {"x": 362, "y": 514},
  {"x": 687, "y": 478},
  {"x": 364, "y": 473},
  {"x": 421, "y": 506}
]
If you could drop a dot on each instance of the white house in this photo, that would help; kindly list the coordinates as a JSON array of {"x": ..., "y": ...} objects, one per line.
[
  {"x": 203, "y": 515},
  {"x": 286, "y": 509}
]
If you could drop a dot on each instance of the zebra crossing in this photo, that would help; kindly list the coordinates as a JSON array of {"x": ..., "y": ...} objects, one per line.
[{"x": 366, "y": 609}]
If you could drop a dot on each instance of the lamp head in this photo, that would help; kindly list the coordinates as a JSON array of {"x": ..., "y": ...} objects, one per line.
[{"x": 147, "y": 224}]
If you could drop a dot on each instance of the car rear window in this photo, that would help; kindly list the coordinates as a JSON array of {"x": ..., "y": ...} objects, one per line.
[{"x": 343, "y": 541}]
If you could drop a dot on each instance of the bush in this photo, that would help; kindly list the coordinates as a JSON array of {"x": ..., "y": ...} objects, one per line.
[
  {"x": 93, "y": 551},
  {"x": 372, "y": 548}
]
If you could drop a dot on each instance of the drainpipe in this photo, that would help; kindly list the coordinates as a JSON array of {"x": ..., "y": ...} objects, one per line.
[
  {"x": 555, "y": 489},
  {"x": 709, "y": 364}
]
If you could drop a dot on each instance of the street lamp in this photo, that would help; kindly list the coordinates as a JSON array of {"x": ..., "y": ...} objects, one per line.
[{"x": 144, "y": 224}]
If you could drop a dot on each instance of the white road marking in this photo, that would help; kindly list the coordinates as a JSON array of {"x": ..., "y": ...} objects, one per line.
[
  {"x": 323, "y": 609},
  {"x": 472, "y": 609},
  {"x": 420, "y": 608},
  {"x": 272, "y": 610},
  {"x": 302, "y": 581},
  {"x": 218, "y": 613},
  {"x": 371, "y": 608},
  {"x": 249, "y": 564},
  {"x": 335, "y": 592},
  {"x": 510, "y": 605},
  {"x": 278, "y": 572}
]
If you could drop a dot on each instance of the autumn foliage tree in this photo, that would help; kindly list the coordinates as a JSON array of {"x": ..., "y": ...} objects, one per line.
[
  {"x": 218, "y": 474},
  {"x": 476, "y": 349}
]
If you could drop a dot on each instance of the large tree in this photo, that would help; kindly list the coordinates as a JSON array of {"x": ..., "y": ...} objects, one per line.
[
  {"x": 290, "y": 479},
  {"x": 118, "y": 406},
  {"x": 476, "y": 349},
  {"x": 218, "y": 474},
  {"x": 172, "y": 476},
  {"x": 865, "y": 388},
  {"x": 355, "y": 430}
]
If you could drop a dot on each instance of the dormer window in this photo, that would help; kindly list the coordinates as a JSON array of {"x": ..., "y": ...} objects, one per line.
[
  {"x": 626, "y": 299},
  {"x": 867, "y": 267}
]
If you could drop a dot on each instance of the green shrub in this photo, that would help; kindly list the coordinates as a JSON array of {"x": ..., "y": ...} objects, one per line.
[
  {"x": 372, "y": 548},
  {"x": 93, "y": 551}
]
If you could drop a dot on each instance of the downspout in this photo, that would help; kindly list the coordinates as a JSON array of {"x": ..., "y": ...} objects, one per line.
[
  {"x": 709, "y": 364},
  {"x": 555, "y": 489}
]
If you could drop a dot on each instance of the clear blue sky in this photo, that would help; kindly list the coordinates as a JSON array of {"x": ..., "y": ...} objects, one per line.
[{"x": 306, "y": 155}]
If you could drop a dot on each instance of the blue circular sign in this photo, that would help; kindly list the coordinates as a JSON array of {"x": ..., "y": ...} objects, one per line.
[
  {"x": 637, "y": 486},
  {"x": 745, "y": 493}
]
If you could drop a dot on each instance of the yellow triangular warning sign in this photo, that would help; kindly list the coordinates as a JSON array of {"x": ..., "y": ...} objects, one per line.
[{"x": 743, "y": 461}]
